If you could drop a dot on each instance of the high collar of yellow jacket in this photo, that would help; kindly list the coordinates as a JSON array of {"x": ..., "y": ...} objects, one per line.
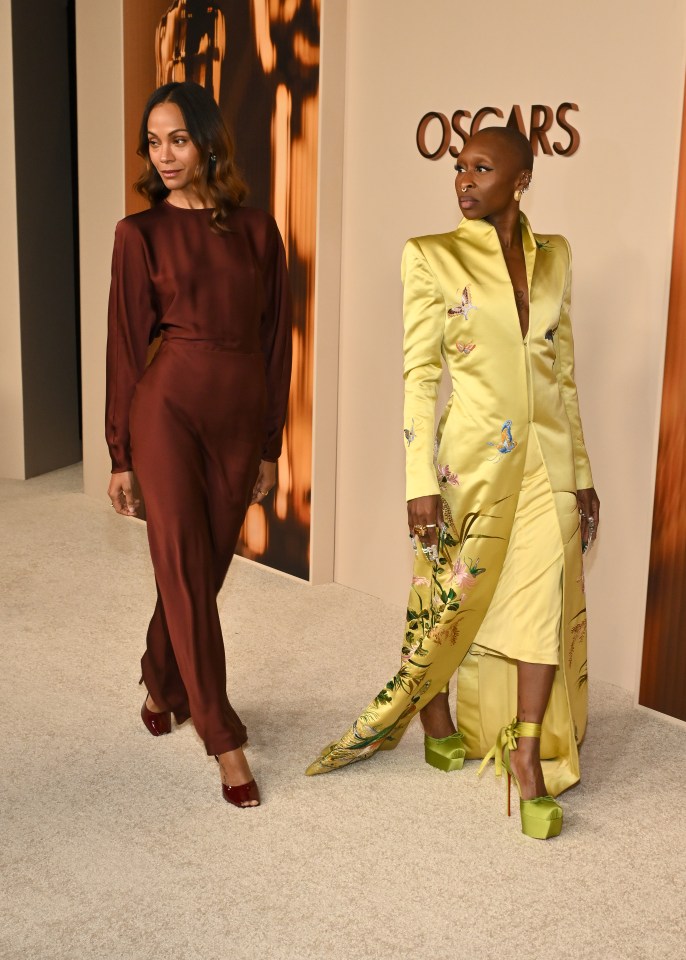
[{"x": 483, "y": 237}]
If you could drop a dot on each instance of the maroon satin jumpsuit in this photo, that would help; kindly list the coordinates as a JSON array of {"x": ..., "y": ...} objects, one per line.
[{"x": 195, "y": 424}]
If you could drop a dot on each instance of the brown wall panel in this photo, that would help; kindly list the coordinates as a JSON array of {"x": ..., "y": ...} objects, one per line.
[
  {"x": 140, "y": 22},
  {"x": 663, "y": 672},
  {"x": 41, "y": 33}
]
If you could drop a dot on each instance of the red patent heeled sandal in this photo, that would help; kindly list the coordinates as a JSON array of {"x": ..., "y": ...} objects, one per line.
[
  {"x": 242, "y": 795},
  {"x": 157, "y": 723}
]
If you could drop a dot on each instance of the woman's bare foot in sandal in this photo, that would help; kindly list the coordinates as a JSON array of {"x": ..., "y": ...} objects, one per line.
[
  {"x": 436, "y": 719},
  {"x": 238, "y": 784}
]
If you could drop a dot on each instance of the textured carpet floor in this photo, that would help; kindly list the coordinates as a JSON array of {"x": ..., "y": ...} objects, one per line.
[{"x": 116, "y": 845}]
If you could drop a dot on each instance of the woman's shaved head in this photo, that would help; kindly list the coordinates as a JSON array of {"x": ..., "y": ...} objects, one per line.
[{"x": 515, "y": 140}]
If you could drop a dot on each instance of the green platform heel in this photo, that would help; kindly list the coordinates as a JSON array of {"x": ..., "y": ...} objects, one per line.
[
  {"x": 542, "y": 816},
  {"x": 445, "y": 753}
]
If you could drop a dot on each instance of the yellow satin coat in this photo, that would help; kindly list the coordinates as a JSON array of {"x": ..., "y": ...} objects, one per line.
[{"x": 459, "y": 306}]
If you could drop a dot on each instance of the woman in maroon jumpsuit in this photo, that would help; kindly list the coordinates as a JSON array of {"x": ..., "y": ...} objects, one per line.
[{"x": 201, "y": 426}]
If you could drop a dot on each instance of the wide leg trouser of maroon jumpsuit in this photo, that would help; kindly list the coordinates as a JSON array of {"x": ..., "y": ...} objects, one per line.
[{"x": 196, "y": 428}]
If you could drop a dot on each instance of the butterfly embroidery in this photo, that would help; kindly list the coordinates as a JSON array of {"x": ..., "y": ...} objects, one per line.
[
  {"x": 446, "y": 476},
  {"x": 409, "y": 434},
  {"x": 465, "y": 348},
  {"x": 465, "y": 305},
  {"x": 506, "y": 444},
  {"x": 474, "y": 568},
  {"x": 550, "y": 336}
]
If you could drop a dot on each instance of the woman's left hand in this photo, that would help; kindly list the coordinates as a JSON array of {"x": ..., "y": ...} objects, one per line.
[
  {"x": 266, "y": 478},
  {"x": 589, "y": 509}
]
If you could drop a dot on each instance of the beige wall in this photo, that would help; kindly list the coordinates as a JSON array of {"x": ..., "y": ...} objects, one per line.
[
  {"x": 11, "y": 394},
  {"x": 99, "y": 47},
  {"x": 614, "y": 200}
]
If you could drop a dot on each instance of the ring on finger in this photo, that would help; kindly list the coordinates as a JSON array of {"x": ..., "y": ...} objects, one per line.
[{"x": 420, "y": 528}]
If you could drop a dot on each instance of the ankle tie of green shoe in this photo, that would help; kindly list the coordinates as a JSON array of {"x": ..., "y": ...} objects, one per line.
[
  {"x": 524, "y": 729},
  {"x": 507, "y": 738}
]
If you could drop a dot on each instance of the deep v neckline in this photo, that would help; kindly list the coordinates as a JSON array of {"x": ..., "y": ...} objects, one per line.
[
  {"x": 529, "y": 256},
  {"x": 515, "y": 290},
  {"x": 485, "y": 236}
]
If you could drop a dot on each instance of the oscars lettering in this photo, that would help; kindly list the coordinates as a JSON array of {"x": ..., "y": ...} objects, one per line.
[{"x": 435, "y": 132}]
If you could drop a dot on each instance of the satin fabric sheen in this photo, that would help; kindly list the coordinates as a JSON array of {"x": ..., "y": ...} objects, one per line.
[
  {"x": 195, "y": 424},
  {"x": 523, "y": 619},
  {"x": 507, "y": 391}
]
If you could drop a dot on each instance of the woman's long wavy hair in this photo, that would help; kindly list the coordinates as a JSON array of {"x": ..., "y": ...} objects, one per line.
[{"x": 217, "y": 181}]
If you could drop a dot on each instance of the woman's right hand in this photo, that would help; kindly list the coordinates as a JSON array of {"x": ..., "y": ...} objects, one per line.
[
  {"x": 425, "y": 512},
  {"x": 120, "y": 492}
]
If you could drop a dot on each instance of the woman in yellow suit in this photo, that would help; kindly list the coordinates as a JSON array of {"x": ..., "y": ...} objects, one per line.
[{"x": 498, "y": 503}]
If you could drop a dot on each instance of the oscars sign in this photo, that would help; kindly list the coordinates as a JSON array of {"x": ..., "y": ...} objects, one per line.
[{"x": 435, "y": 132}]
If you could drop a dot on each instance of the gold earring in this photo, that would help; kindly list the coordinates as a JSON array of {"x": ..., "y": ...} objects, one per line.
[{"x": 517, "y": 195}]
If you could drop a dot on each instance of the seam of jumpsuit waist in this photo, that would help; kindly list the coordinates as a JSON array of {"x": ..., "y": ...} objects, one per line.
[{"x": 212, "y": 343}]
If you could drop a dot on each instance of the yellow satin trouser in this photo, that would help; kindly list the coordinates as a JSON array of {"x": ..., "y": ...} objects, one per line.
[{"x": 523, "y": 619}]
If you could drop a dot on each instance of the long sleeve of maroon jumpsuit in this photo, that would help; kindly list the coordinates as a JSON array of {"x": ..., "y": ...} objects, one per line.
[{"x": 195, "y": 424}]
